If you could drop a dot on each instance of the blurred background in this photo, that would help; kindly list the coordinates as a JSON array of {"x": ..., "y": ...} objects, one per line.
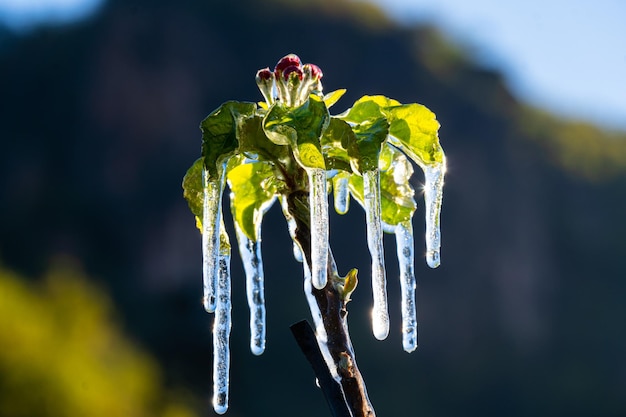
[{"x": 100, "y": 263}]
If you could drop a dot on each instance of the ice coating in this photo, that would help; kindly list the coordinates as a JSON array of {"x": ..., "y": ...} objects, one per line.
[
  {"x": 251, "y": 257},
  {"x": 250, "y": 251},
  {"x": 372, "y": 203},
  {"x": 221, "y": 329},
  {"x": 291, "y": 223},
  {"x": 433, "y": 194},
  {"x": 406, "y": 259},
  {"x": 211, "y": 211},
  {"x": 320, "y": 330},
  {"x": 341, "y": 194},
  {"x": 318, "y": 201}
]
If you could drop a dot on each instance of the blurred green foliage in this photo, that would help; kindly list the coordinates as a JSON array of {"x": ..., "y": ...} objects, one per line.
[{"x": 63, "y": 353}]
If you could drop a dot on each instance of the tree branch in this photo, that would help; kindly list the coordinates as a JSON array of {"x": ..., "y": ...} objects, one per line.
[
  {"x": 305, "y": 336},
  {"x": 332, "y": 306}
]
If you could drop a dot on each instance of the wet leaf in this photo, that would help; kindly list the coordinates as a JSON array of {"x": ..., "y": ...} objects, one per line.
[
  {"x": 301, "y": 128},
  {"x": 397, "y": 193},
  {"x": 219, "y": 133},
  {"x": 416, "y": 127},
  {"x": 252, "y": 186},
  {"x": 331, "y": 98},
  {"x": 192, "y": 187}
]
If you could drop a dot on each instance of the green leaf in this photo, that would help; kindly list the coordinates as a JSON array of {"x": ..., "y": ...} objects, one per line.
[
  {"x": 364, "y": 150},
  {"x": 331, "y": 98},
  {"x": 371, "y": 128},
  {"x": 301, "y": 128},
  {"x": 397, "y": 194},
  {"x": 252, "y": 186},
  {"x": 368, "y": 108},
  {"x": 255, "y": 144},
  {"x": 192, "y": 187},
  {"x": 416, "y": 127},
  {"x": 219, "y": 133},
  {"x": 337, "y": 133},
  {"x": 413, "y": 127}
]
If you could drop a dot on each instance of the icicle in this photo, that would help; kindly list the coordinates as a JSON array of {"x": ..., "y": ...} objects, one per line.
[
  {"x": 211, "y": 211},
  {"x": 433, "y": 193},
  {"x": 371, "y": 192},
  {"x": 250, "y": 252},
  {"x": 221, "y": 329},
  {"x": 318, "y": 201},
  {"x": 406, "y": 258},
  {"x": 340, "y": 193},
  {"x": 291, "y": 223}
]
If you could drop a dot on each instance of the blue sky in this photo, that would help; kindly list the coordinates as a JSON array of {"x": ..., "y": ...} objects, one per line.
[{"x": 567, "y": 56}]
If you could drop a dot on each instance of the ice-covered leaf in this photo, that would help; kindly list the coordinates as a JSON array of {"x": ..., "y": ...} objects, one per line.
[
  {"x": 254, "y": 143},
  {"x": 416, "y": 127},
  {"x": 219, "y": 133},
  {"x": 301, "y": 127},
  {"x": 193, "y": 190},
  {"x": 397, "y": 194},
  {"x": 252, "y": 186},
  {"x": 364, "y": 148},
  {"x": 368, "y": 108},
  {"x": 333, "y": 97},
  {"x": 336, "y": 155}
]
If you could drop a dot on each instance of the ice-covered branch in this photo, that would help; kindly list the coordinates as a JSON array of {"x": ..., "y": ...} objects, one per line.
[{"x": 331, "y": 326}]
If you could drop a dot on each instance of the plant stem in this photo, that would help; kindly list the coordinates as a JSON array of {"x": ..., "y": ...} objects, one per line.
[
  {"x": 305, "y": 336},
  {"x": 332, "y": 306}
]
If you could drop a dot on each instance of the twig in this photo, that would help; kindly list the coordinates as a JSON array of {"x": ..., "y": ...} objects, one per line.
[{"x": 305, "y": 337}]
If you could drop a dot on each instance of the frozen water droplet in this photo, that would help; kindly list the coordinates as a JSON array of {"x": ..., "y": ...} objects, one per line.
[
  {"x": 406, "y": 259},
  {"x": 433, "y": 194},
  {"x": 371, "y": 191},
  {"x": 221, "y": 329},
  {"x": 211, "y": 211},
  {"x": 433, "y": 258},
  {"x": 340, "y": 193},
  {"x": 318, "y": 201}
]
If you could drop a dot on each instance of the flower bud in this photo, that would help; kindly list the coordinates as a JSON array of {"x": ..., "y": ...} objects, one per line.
[
  {"x": 264, "y": 75},
  {"x": 265, "y": 81},
  {"x": 292, "y": 70},
  {"x": 313, "y": 71},
  {"x": 286, "y": 62}
]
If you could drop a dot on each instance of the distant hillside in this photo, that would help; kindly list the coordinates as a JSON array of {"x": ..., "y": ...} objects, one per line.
[{"x": 525, "y": 315}]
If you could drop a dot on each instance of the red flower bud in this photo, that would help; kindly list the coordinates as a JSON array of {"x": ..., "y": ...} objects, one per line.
[
  {"x": 314, "y": 71},
  {"x": 292, "y": 69},
  {"x": 287, "y": 61},
  {"x": 264, "y": 74}
]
